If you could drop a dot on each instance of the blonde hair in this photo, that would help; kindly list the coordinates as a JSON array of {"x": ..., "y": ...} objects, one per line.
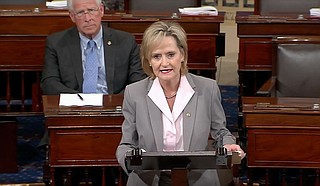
[{"x": 154, "y": 34}]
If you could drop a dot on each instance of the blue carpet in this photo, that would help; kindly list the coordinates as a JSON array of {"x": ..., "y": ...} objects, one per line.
[
  {"x": 230, "y": 98},
  {"x": 31, "y": 129},
  {"x": 30, "y": 159}
]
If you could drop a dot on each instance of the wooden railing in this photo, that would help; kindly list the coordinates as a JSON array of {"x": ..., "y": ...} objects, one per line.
[{"x": 21, "y": 62}]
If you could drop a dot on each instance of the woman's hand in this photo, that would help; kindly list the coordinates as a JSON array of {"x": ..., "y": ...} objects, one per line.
[{"x": 235, "y": 148}]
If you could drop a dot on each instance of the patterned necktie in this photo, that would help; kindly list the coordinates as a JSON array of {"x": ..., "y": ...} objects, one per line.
[{"x": 90, "y": 78}]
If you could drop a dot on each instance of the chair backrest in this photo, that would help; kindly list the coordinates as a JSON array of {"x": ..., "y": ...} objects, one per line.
[{"x": 297, "y": 66}]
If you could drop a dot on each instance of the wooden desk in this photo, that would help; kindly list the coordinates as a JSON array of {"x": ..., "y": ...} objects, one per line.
[
  {"x": 282, "y": 132},
  {"x": 22, "y": 44},
  {"x": 83, "y": 136},
  {"x": 255, "y": 33},
  {"x": 31, "y": 28}
]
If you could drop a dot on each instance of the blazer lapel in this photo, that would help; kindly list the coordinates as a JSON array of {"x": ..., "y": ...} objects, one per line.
[
  {"x": 156, "y": 123},
  {"x": 75, "y": 51},
  {"x": 189, "y": 121},
  {"x": 156, "y": 120},
  {"x": 109, "y": 56},
  {"x": 189, "y": 116}
]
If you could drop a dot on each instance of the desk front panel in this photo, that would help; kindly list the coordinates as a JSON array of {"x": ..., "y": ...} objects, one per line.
[
  {"x": 84, "y": 147},
  {"x": 284, "y": 135},
  {"x": 284, "y": 148},
  {"x": 277, "y": 27},
  {"x": 196, "y": 25},
  {"x": 87, "y": 119},
  {"x": 281, "y": 120},
  {"x": 255, "y": 54},
  {"x": 22, "y": 53},
  {"x": 35, "y": 24},
  {"x": 84, "y": 140}
]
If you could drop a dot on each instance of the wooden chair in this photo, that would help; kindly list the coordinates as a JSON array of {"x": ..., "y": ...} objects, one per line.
[{"x": 296, "y": 64}]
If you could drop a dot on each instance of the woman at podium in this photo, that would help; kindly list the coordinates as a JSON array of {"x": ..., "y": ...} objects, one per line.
[{"x": 171, "y": 110}]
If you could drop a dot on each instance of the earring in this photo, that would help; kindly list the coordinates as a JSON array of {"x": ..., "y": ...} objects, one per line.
[{"x": 149, "y": 65}]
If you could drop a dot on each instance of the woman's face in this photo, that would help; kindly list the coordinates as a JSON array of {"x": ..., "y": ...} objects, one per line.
[{"x": 166, "y": 59}]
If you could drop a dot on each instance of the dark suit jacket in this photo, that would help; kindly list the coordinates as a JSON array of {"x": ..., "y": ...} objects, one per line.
[{"x": 63, "y": 73}]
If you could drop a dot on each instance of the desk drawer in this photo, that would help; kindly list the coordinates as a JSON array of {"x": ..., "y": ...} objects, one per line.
[
  {"x": 285, "y": 148},
  {"x": 281, "y": 120},
  {"x": 84, "y": 147}
]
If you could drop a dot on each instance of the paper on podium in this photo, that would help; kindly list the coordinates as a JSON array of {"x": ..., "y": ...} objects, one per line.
[{"x": 81, "y": 99}]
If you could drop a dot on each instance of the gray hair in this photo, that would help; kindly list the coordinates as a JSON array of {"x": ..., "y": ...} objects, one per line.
[{"x": 70, "y": 3}]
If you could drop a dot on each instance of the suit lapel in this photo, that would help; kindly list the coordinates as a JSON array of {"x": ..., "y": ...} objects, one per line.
[
  {"x": 156, "y": 123},
  {"x": 75, "y": 51},
  {"x": 155, "y": 120},
  {"x": 189, "y": 121},
  {"x": 189, "y": 116},
  {"x": 109, "y": 57}
]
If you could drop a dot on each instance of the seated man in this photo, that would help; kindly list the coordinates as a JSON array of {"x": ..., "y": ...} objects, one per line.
[{"x": 89, "y": 57}]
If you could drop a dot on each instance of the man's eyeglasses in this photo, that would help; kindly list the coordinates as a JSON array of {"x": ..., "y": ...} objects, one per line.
[{"x": 90, "y": 11}]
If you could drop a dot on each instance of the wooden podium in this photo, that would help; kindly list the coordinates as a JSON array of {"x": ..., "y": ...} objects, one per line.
[
  {"x": 83, "y": 136},
  {"x": 179, "y": 163}
]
